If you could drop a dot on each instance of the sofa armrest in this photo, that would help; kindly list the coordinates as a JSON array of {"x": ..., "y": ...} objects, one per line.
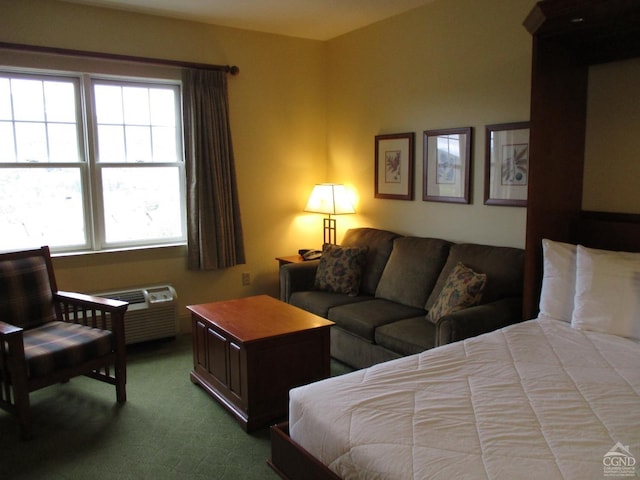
[
  {"x": 297, "y": 277},
  {"x": 477, "y": 320}
]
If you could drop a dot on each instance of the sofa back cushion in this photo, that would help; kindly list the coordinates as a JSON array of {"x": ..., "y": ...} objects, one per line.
[
  {"x": 412, "y": 270},
  {"x": 504, "y": 267},
  {"x": 340, "y": 269},
  {"x": 379, "y": 244}
]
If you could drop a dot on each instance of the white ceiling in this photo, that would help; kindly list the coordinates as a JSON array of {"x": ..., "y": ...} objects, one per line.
[{"x": 312, "y": 19}]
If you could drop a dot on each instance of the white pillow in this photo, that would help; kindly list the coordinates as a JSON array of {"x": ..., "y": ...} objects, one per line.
[
  {"x": 558, "y": 280},
  {"x": 607, "y": 292}
]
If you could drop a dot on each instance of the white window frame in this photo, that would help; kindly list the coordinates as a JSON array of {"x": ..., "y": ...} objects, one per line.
[{"x": 88, "y": 164}]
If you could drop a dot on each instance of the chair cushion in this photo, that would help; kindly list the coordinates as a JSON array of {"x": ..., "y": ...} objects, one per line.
[
  {"x": 463, "y": 289},
  {"x": 340, "y": 269},
  {"x": 412, "y": 270},
  {"x": 57, "y": 345},
  {"x": 26, "y": 300},
  {"x": 363, "y": 318},
  {"x": 379, "y": 243}
]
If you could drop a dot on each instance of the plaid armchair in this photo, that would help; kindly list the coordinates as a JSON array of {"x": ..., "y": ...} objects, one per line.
[{"x": 48, "y": 336}]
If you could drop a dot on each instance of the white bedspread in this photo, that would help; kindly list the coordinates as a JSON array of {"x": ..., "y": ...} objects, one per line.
[{"x": 534, "y": 400}]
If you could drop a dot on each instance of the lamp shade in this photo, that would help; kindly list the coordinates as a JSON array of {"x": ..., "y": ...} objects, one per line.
[{"x": 330, "y": 199}]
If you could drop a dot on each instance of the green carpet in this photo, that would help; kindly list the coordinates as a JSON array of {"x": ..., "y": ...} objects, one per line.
[{"x": 168, "y": 429}]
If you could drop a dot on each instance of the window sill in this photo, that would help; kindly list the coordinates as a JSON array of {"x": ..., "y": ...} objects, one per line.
[{"x": 119, "y": 255}]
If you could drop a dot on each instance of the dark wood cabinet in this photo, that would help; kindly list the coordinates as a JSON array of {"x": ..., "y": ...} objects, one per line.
[
  {"x": 249, "y": 352},
  {"x": 568, "y": 37}
]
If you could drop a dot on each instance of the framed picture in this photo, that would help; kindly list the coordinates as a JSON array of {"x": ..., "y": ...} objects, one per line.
[
  {"x": 447, "y": 162},
  {"x": 394, "y": 166},
  {"x": 506, "y": 175}
]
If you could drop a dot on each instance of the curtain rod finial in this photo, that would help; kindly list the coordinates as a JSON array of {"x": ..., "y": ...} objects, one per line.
[{"x": 234, "y": 70}]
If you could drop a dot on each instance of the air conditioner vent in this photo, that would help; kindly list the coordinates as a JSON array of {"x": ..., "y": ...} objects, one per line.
[
  {"x": 152, "y": 312},
  {"x": 131, "y": 296}
]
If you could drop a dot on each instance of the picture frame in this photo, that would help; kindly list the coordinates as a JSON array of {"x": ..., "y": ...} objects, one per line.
[
  {"x": 506, "y": 175},
  {"x": 447, "y": 165},
  {"x": 394, "y": 164}
]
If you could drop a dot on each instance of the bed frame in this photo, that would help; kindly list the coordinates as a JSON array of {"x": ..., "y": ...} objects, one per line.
[{"x": 291, "y": 461}]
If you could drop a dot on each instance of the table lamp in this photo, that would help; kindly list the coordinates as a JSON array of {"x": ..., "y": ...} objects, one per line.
[{"x": 330, "y": 199}]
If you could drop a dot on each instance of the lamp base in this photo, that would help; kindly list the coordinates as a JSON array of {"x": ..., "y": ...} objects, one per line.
[{"x": 330, "y": 230}]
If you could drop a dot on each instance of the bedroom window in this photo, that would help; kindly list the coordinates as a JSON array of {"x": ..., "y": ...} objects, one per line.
[{"x": 89, "y": 163}]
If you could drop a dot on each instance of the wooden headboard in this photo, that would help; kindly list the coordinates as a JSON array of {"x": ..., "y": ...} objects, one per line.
[
  {"x": 610, "y": 231},
  {"x": 563, "y": 51}
]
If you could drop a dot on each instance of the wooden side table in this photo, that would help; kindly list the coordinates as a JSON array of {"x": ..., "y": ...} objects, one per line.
[
  {"x": 289, "y": 259},
  {"x": 249, "y": 352}
]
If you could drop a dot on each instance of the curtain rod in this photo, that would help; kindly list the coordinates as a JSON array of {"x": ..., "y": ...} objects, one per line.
[{"x": 232, "y": 69}]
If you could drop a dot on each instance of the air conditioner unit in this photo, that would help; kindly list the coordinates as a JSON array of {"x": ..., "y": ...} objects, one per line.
[{"x": 152, "y": 312}]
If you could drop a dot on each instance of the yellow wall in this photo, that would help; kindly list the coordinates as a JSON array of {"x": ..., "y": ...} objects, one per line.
[
  {"x": 304, "y": 112},
  {"x": 612, "y": 157},
  {"x": 452, "y": 63},
  {"x": 278, "y": 116}
]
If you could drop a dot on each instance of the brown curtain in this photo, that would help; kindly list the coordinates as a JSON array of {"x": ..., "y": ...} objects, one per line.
[{"x": 214, "y": 229}]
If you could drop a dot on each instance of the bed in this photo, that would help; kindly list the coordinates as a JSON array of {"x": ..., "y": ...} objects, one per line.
[{"x": 557, "y": 396}]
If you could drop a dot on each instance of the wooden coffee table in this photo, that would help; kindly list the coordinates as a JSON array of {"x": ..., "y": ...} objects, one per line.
[{"x": 249, "y": 352}]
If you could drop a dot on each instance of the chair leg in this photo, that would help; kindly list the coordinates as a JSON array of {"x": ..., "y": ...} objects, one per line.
[
  {"x": 23, "y": 412},
  {"x": 20, "y": 386},
  {"x": 121, "y": 383},
  {"x": 121, "y": 391}
]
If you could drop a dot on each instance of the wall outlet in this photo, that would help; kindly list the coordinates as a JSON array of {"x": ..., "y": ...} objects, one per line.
[{"x": 246, "y": 278}]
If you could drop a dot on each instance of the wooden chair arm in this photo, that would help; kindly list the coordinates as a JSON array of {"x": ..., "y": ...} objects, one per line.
[
  {"x": 8, "y": 329},
  {"x": 92, "y": 311},
  {"x": 90, "y": 301},
  {"x": 11, "y": 357}
]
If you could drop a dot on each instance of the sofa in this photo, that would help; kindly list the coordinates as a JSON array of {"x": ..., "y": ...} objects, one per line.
[{"x": 383, "y": 301}]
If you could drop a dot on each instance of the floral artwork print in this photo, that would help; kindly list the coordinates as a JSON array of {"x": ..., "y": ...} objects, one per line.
[
  {"x": 515, "y": 164},
  {"x": 394, "y": 166},
  {"x": 392, "y": 169}
]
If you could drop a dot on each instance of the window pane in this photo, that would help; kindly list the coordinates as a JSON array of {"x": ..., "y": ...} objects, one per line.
[
  {"x": 32, "y": 142},
  {"x": 63, "y": 142},
  {"x": 136, "y": 105},
  {"x": 108, "y": 104},
  {"x": 111, "y": 144},
  {"x": 7, "y": 147},
  {"x": 150, "y": 120},
  {"x": 163, "y": 107},
  {"x": 141, "y": 204},
  {"x": 5, "y": 100},
  {"x": 164, "y": 144},
  {"x": 138, "y": 144},
  {"x": 28, "y": 102},
  {"x": 40, "y": 206},
  {"x": 60, "y": 102}
]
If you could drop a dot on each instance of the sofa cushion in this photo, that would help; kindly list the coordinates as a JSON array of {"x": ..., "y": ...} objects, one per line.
[
  {"x": 412, "y": 270},
  {"x": 319, "y": 303},
  {"x": 380, "y": 243},
  {"x": 408, "y": 336},
  {"x": 462, "y": 289},
  {"x": 364, "y": 317},
  {"x": 340, "y": 269},
  {"x": 504, "y": 267}
]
